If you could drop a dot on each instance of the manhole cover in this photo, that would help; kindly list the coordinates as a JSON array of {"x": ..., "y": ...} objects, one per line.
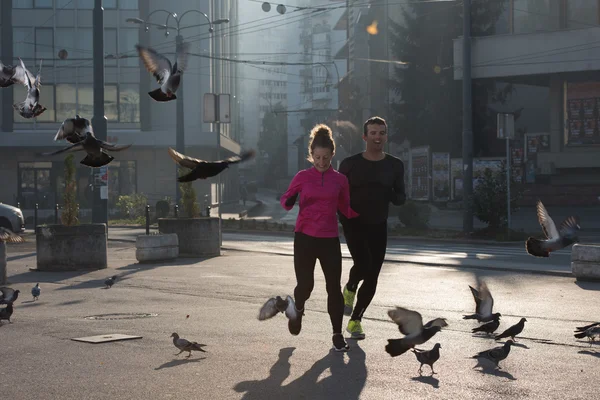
[{"x": 104, "y": 317}]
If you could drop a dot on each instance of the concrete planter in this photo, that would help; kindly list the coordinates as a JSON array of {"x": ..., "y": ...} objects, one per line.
[
  {"x": 68, "y": 248},
  {"x": 150, "y": 248},
  {"x": 585, "y": 262},
  {"x": 198, "y": 237}
]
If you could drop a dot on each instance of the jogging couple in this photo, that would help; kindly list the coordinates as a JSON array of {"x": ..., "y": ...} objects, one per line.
[{"x": 360, "y": 192}]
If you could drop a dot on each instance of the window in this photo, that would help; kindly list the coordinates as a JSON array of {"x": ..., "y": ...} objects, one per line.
[
  {"x": 35, "y": 185},
  {"x": 111, "y": 110},
  {"x": 84, "y": 43},
  {"x": 46, "y": 99},
  {"x": 122, "y": 180},
  {"x": 85, "y": 100},
  {"x": 42, "y": 3},
  {"x": 44, "y": 45},
  {"x": 85, "y": 4},
  {"x": 65, "y": 39},
  {"x": 581, "y": 113},
  {"x": 129, "y": 103},
  {"x": 128, "y": 38},
  {"x": 22, "y": 3},
  {"x": 109, "y": 4},
  {"x": 66, "y": 101},
  {"x": 65, "y": 4},
  {"x": 531, "y": 16},
  {"x": 128, "y": 4},
  {"x": 582, "y": 13},
  {"x": 23, "y": 44},
  {"x": 110, "y": 45}
]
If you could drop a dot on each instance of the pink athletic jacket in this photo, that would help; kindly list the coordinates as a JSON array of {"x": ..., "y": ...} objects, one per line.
[{"x": 321, "y": 195}]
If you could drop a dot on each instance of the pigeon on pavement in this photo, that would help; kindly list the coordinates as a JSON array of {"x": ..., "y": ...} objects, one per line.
[
  {"x": 556, "y": 239},
  {"x": 35, "y": 291},
  {"x": 95, "y": 149},
  {"x": 205, "y": 169},
  {"x": 584, "y": 328},
  {"x": 496, "y": 354},
  {"x": 410, "y": 323},
  {"x": 110, "y": 281},
  {"x": 484, "y": 303},
  {"x": 8, "y": 295},
  {"x": 513, "y": 330},
  {"x": 428, "y": 357},
  {"x": 590, "y": 332},
  {"x": 489, "y": 327},
  {"x": 168, "y": 76},
  {"x": 31, "y": 106},
  {"x": 186, "y": 345},
  {"x": 6, "y": 313},
  {"x": 276, "y": 305},
  {"x": 9, "y": 236}
]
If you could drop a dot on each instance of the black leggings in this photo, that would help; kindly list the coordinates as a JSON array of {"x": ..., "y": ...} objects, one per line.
[
  {"x": 367, "y": 244},
  {"x": 307, "y": 249}
]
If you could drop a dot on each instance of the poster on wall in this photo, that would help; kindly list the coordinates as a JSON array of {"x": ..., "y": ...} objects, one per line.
[
  {"x": 581, "y": 113},
  {"x": 420, "y": 173},
  {"x": 456, "y": 173},
  {"x": 479, "y": 167},
  {"x": 440, "y": 165}
]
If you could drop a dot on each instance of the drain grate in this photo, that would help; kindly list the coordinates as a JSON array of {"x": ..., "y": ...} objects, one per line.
[{"x": 106, "y": 317}]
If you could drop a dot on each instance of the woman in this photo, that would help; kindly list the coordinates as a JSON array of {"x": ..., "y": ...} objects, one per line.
[{"x": 322, "y": 192}]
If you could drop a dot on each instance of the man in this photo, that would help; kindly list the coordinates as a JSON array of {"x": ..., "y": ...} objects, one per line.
[{"x": 375, "y": 180}]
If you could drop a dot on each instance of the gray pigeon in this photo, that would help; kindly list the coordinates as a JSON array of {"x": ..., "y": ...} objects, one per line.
[
  {"x": 6, "y": 313},
  {"x": 168, "y": 76},
  {"x": 36, "y": 291},
  {"x": 584, "y": 328},
  {"x": 8, "y": 295},
  {"x": 74, "y": 130},
  {"x": 110, "y": 281},
  {"x": 31, "y": 107},
  {"x": 496, "y": 354},
  {"x": 556, "y": 239},
  {"x": 95, "y": 149},
  {"x": 276, "y": 305},
  {"x": 410, "y": 323},
  {"x": 513, "y": 330},
  {"x": 186, "y": 345},
  {"x": 205, "y": 169},
  {"x": 428, "y": 357},
  {"x": 9, "y": 236},
  {"x": 590, "y": 332},
  {"x": 488, "y": 328},
  {"x": 7, "y": 75},
  {"x": 484, "y": 303}
]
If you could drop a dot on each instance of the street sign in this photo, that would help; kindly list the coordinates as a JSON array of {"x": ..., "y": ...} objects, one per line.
[
  {"x": 217, "y": 108},
  {"x": 224, "y": 108},
  {"x": 506, "y": 126},
  {"x": 210, "y": 107}
]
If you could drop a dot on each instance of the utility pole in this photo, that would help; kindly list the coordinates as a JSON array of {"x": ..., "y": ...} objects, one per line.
[
  {"x": 180, "y": 128},
  {"x": 467, "y": 134},
  {"x": 100, "y": 194}
]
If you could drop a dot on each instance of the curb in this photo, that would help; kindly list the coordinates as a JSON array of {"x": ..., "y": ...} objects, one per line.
[{"x": 424, "y": 264}]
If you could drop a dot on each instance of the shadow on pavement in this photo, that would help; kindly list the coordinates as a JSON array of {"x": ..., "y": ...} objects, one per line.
[
  {"x": 346, "y": 381},
  {"x": 590, "y": 352},
  {"x": 428, "y": 379},
  {"x": 588, "y": 285},
  {"x": 175, "y": 363},
  {"x": 488, "y": 368}
]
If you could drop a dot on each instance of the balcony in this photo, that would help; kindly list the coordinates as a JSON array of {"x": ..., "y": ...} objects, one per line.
[{"x": 531, "y": 54}]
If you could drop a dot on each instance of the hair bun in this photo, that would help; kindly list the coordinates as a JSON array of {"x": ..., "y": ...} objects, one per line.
[{"x": 321, "y": 131}]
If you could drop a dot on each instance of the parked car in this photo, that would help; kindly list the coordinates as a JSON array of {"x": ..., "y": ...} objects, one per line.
[{"x": 11, "y": 218}]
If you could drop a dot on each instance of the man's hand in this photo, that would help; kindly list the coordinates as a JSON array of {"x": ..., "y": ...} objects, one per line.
[{"x": 291, "y": 200}]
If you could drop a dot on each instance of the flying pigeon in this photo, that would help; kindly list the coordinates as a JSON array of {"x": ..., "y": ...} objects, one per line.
[
  {"x": 31, "y": 107},
  {"x": 513, "y": 330},
  {"x": 584, "y": 328},
  {"x": 488, "y": 328},
  {"x": 186, "y": 345},
  {"x": 590, "y": 332},
  {"x": 6, "y": 313},
  {"x": 95, "y": 149},
  {"x": 484, "y": 303},
  {"x": 9, "y": 236},
  {"x": 9, "y": 74},
  {"x": 74, "y": 130},
  {"x": 168, "y": 76},
  {"x": 556, "y": 239},
  {"x": 110, "y": 281},
  {"x": 35, "y": 291},
  {"x": 428, "y": 357},
  {"x": 9, "y": 295},
  {"x": 205, "y": 169},
  {"x": 496, "y": 354},
  {"x": 410, "y": 323},
  {"x": 276, "y": 305}
]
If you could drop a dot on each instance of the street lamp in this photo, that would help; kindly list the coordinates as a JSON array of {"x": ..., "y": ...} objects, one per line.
[{"x": 180, "y": 131}]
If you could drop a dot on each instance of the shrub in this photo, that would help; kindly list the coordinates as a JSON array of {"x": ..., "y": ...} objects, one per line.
[
  {"x": 489, "y": 197},
  {"x": 414, "y": 215},
  {"x": 69, "y": 215},
  {"x": 132, "y": 206},
  {"x": 188, "y": 197}
]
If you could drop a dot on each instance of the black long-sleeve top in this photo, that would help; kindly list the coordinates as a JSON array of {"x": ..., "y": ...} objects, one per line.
[{"x": 373, "y": 185}]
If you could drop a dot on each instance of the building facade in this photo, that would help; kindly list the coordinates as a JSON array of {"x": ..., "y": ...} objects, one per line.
[{"x": 58, "y": 33}]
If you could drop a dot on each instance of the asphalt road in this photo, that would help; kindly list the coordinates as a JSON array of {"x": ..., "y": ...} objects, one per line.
[{"x": 248, "y": 359}]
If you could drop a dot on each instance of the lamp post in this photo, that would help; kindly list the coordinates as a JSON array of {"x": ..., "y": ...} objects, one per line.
[{"x": 180, "y": 128}]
